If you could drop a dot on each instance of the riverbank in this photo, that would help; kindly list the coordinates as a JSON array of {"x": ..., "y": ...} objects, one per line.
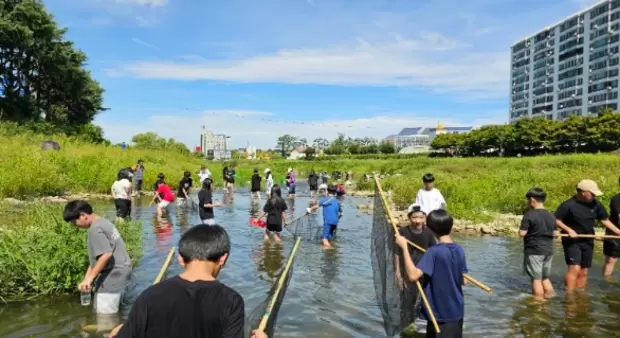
[
  {"x": 475, "y": 188},
  {"x": 43, "y": 255}
]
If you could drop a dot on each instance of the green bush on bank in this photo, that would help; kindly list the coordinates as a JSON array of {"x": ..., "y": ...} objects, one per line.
[{"x": 40, "y": 254}]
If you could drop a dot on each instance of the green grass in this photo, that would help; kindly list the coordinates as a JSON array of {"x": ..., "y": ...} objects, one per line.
[
  {"x": 40, "y": 254},
  {"x": 473, "y": 187}
]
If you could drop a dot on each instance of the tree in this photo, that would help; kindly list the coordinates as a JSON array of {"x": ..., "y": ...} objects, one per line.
[
  {"x": 151, "y": 140},
  {"x": 310, "y": 153},
  {"x": 387, "y": 148},
  {"x": 320, "y": 143},
  {"x": 286, "y": 143},
  {"x": 41, "y": 75}
]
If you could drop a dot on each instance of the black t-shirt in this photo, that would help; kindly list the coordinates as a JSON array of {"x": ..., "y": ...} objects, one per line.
[
  {"x": 180, "y": 308},
  {"x": 256, "y": 179},
  {"x": 185, "y": 183},
  {"x": 274, "y": 211},
  {"x": 229, "y": 176},
  {"x": 424, "y": 238},
  {"x": 540, "y": 224},
  {"x": 205, "y": 197},
  {"x": 614, "y": 213},
  {"x": 581, "y": 216},
  {"x": 313, "y": 180}
]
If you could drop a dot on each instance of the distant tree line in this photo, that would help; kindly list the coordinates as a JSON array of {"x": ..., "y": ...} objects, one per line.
[
  {"x": 43, "y": 83},
  {"x": 341, "y": 145},
  {"x": 535, "y": 136},
  {"x": 151, "y": 140}
]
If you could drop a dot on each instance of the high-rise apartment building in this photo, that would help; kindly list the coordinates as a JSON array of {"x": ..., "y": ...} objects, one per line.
[
  {"x": 568, "y": 68},
  {"x": 214, "y": 145}
]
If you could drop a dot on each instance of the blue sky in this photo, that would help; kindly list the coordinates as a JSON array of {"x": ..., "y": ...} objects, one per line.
[{"x": 257, "y": 69}]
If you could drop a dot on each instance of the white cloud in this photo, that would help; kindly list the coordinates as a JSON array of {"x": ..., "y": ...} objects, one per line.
[
  {"x": 145, "y": 44},
  {"x": 261, "y": 129},
  {"x": 433, "y": 61}
]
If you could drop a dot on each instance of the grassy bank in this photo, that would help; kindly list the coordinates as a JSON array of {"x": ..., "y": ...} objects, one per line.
[
  {"x": 40, "y": 254},
  {"x": 472, "y": 186}
]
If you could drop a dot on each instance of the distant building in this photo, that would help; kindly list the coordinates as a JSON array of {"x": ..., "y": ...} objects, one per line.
[
  {"x": 297, "y": 153},
  {"x": 215, "y": 146},
  {"x": 421, "y": 136}
]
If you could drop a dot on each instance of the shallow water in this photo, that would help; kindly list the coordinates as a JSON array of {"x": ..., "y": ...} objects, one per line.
[{"x": 331, "y": 293}]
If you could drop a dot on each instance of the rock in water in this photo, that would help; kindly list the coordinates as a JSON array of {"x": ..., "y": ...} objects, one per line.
[{"x": 50, "y": 145}]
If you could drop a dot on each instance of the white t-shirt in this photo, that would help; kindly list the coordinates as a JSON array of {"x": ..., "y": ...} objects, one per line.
[
  {"x": 121, "y": 189},
  {"x": 204, "y": 175},
  {"x": 430, "y": 200}
]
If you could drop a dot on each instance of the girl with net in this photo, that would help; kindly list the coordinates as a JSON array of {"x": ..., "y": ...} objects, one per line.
[{"x": 275, "y": 210}]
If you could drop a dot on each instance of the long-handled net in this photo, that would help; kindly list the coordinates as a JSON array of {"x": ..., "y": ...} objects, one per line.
[
  {"x": 399, "y": 304},
  {"x": 264, "y": 316}
]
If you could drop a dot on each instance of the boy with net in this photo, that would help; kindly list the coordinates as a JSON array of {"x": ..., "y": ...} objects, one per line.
[
  {"x": 422, "y": 236},
  {"x": 332, "y": 212},
  {"x": 442, "y": 267}
]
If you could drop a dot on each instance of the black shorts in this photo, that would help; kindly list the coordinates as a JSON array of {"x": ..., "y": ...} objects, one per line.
[
  {"x": 314, "y": 187},
  {"x": 123, "y": 207},
  {"x": 138, "y": 185},
  {"x": 446, "y": 329},
  {"x": 578, "y": 252},
  {"x": 274, "y": 227},
  {"x": 255, "y": 190},
  {"x": 611, "y": 248}
]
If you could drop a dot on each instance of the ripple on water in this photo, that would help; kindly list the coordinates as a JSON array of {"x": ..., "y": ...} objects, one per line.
[{"x": 331, "y": 293}]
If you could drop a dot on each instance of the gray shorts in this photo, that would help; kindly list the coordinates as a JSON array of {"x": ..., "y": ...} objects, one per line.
[{"x": 538, "y": 267}]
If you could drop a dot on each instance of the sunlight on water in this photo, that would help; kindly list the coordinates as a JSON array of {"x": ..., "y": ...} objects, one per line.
[{"x": 332, "y": 293}]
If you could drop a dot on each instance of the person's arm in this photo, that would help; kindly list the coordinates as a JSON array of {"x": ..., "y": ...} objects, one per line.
[
  {"x": 129, "y": 188},
  {"x": 413, "y": 273},
  {"x": 560, "y": 214},
  {"x": 442, "y": 200},
  {"x": 103, "y": 251},
  {"x": 265, "y": 211},
  {"x": 233, "y": 327},
  {"x": 525, "y": 225},
  {"x": 112, "y": 191}
]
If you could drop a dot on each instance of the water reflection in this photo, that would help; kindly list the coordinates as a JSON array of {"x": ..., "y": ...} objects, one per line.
[
  {"x": 269, "y": 259},
  {"x": 532, "y": 319},
  {"x": 162, "y": 228},
  {"x": 330, "y": 263},
  {"x": 578, "y": 320}
]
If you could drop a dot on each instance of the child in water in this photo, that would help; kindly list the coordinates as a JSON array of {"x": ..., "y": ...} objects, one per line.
[
  {"x": 332, "y": 212},
  {"x": 165, "y": 196},
  {"x": 275, "y": 210},
  {"x": 185, "y": 186},
  {"x": 256, "y": 179}
]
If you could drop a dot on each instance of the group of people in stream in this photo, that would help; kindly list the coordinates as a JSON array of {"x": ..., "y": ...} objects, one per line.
[{"x": 195, "y": 304}]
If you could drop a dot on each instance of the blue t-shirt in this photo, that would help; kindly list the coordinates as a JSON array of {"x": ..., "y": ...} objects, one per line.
[
  {"x": 331, "y": 209},
  {"x": 444, "y": 264}
]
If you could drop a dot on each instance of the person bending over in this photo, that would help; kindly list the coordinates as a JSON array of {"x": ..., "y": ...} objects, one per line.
[
  {"x": 193, "y": 304},
  {"x": 332, "y": 212}
]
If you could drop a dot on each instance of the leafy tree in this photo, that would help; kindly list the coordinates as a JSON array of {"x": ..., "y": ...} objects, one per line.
[
  {"x": 320, "y": 143},
  {"x": 41, "y": 75},
  {"x": 310, "y": 153},
  {"x": 286, "y": 143},
  {"x": 387, "y": 148},
  {"x": 151, "y": 140}
]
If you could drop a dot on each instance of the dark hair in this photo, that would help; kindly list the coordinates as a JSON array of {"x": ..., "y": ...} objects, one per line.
[
  {"x": 256, "y": 170},
  {"x": 428, "y": 178},
  {"x": 121, "y": 174},
  {"x": 206, "y": 184},
  {"x": 537, "y": 194},
  {"x": 204, "y": 243},
  {"x": 73, "y": 210},
  {"x": 187, "y": 174},
  {"x": 161, "y": 176},
  {"x": 331, "y": 188},
  {"x": 140, "y": 161},
  {"x": 414, "y": 210},
  {"x": 440, "y": 222},
  {"x": 275, "y": 195}
]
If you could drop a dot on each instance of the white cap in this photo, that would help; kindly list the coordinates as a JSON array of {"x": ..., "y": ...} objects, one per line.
[
  {"x": 414, "y": 207},
  {"x": 267, "y": 170},
  {"x": 290, "y": 169}
]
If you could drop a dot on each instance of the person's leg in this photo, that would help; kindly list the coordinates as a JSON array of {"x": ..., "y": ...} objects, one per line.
[
  {"x": 533, "y": 268},
  {"x": 266, "y": 237},
  {"x": 276, "y": 237},
  {"x": 107, "y": 303},
  {"x": 572, "y": 258},
  {"x": 326, "y": 236},
  {"x": 447, "y": 329},
  {"x": 611, "y": 250},
  {"x": 608, "y": 268},
  {"x": 587, "y": 253},
  {"x": 546, "y": 272}
]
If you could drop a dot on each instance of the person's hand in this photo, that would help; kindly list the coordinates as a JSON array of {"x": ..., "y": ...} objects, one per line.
[
  {"x": 85, "y": 285},
  {"x": 308, "y": 210},
  {"x": 572, "y": 233},
  {"x": 114, "y": 331},
  {"x": 400, "y": 241},
  {"x": 259, "y": 334}
]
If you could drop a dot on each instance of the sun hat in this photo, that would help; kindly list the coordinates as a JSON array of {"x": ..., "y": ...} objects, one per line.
[
  {"x": 414, "y": 208},
  {"x": 290, "y": 169},
  {"x": 591, "y": 186},
  {"x": 267, "y": 170}
]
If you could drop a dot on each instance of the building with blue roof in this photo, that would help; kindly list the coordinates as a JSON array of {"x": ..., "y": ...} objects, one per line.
[{"x": 421, "y": 136}]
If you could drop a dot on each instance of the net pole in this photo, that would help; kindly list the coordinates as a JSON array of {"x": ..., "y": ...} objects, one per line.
[
  {"x": 417, "y": 283},
  {"x": 274, "y": 297},
  {"x": 164, "y": 267}
]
